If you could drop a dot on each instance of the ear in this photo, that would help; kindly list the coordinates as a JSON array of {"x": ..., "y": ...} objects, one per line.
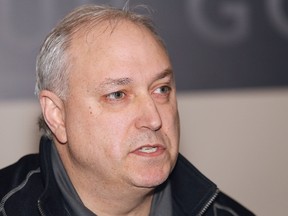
[{"x": 54, "y": 114}]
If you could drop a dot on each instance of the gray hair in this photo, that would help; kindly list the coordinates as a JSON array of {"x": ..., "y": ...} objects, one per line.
[{"x": 52, "y": 66}]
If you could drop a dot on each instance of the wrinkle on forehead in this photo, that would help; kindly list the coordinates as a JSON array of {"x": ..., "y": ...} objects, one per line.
[{"x": 106, "y": 27}]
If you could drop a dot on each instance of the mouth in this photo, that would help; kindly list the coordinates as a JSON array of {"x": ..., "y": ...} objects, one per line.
[{"x": 149, "y": 150}]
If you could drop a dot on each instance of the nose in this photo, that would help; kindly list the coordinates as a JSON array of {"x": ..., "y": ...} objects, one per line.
[{"x": 148, "y": 115}]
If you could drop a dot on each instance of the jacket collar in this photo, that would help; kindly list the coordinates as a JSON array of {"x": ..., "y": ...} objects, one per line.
[
  {"x": 191, "y": 190},
  {"x": 50, "y": 201}
]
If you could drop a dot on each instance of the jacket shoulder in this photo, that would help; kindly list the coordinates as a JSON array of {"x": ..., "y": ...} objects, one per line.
[
  {"x": 194, "y": 193},
  {"x": 11, "y": 176}
]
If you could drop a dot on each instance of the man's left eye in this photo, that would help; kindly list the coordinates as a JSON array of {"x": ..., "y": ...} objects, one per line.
[
  {"x": 115, "y": 95},
  {"x": 163, "y": 90}
]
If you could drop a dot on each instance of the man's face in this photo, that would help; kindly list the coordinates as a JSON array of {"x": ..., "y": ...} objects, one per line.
[{"x": 121, "y": 116}]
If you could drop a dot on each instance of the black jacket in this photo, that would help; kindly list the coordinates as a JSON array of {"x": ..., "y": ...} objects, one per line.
[{"x": 29, "y": 188}]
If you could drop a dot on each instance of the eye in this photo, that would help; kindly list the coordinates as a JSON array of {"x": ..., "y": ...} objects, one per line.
[
  {"x": 118, "y": 95},
  {"x": 163, "y": 90}
]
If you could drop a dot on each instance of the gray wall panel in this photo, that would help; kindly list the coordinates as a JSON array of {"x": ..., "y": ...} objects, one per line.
[{"x": 223, "y": 44}]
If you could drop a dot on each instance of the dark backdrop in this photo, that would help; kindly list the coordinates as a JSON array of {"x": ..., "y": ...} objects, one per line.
[{"x": 214, "y": 44}]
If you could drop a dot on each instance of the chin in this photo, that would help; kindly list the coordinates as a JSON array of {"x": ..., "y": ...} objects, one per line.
[{"x": 151, "y": 179}]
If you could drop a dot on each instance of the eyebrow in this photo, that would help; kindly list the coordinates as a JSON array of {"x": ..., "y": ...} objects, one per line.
[
  {"x": 166, "y": 73},
  {"x": 118, "y": 82},
  {"x": 126, "y": 80}
]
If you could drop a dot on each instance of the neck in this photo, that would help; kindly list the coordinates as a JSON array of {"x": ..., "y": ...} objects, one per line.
[
  {"x": 117, "y": 201},
  {"x": 124, "y": 204},
  {"x": 106, "y": 198}
]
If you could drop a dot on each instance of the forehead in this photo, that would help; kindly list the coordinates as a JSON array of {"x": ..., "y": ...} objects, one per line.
[
  {"x": 117, "y": 48},
  {"x": 98, "y": 34}
]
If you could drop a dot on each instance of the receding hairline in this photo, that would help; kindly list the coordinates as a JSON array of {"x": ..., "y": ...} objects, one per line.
[
  {"x": 108, "y": 26},
  {"x": 110, "y": 23},
  {"x": 89, "y": 16}
]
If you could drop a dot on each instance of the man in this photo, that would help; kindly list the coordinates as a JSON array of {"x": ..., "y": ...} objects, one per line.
[{"x": 111, "y": 128}]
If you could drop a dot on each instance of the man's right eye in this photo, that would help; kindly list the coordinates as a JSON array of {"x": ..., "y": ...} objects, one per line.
[{"x": 118, "y": 95}]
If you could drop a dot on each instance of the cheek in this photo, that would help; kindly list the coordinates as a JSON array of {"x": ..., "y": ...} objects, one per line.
[
  {"x": 170, "y": 116},
  {"x": 109, "y": 132},
  {"x": 171, "y": 125},
  {"x": 80, "y": 123}
]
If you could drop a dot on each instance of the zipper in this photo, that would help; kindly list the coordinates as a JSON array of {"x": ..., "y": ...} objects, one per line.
[
  {"x": 40, "y": 208},
  {"x": 210, "y": 201}
]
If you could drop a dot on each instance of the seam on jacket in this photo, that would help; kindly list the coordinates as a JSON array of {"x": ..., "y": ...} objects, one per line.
[
  {"x": 16, "y": 189},
  {"x": 224, "y": 208}
]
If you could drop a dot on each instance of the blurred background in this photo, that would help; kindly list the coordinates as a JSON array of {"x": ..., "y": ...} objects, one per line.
[{"x": 230, "y": 61}]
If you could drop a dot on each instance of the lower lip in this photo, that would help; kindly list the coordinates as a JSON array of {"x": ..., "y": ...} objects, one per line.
[{"x": 158, "y": 152}]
